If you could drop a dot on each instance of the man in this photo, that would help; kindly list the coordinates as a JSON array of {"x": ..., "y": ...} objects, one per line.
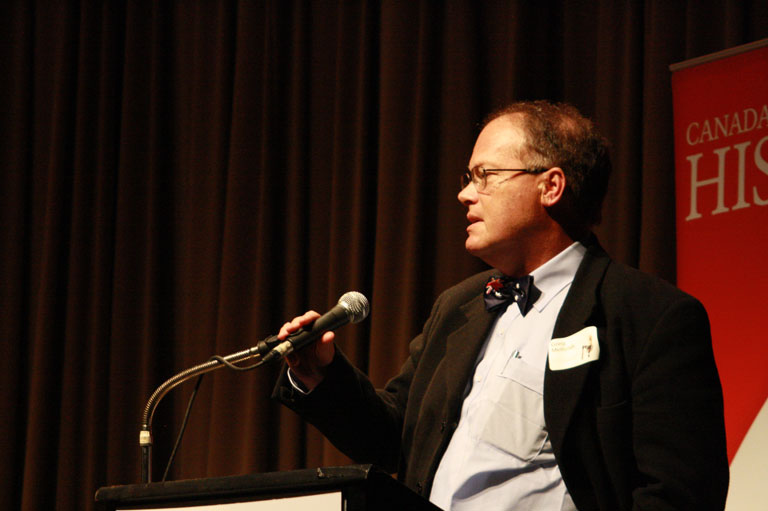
[{"x": 587, "y": 385}]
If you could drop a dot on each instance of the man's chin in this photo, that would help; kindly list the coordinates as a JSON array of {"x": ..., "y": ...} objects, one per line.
[{"x": 474, "y": 248}]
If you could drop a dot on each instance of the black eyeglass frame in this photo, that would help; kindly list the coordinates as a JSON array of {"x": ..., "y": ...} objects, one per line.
[{"x": 482, "y": 176}]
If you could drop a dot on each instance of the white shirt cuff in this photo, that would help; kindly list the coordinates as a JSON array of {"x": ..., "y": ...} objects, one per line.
[{"x": 297, "y": 384}]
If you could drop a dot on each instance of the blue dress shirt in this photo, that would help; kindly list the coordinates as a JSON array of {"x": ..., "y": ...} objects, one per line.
[{"x": 500, "y": 456}]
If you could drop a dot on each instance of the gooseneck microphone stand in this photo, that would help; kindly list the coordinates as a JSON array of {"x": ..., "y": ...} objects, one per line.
[{"x": 145, "y": 435}]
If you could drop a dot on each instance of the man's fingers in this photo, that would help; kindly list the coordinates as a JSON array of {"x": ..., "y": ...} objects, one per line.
[{"x": 296, "y": 323}]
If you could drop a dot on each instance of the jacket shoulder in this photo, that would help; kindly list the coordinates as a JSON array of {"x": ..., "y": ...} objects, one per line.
[{"x": 630, "y": 284}]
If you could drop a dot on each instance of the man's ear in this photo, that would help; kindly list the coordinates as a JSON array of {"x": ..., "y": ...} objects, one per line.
[{"x": 552, "y": 186}]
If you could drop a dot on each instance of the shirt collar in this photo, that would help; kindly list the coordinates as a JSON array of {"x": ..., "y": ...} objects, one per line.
[{"x": 557, "y": 273}]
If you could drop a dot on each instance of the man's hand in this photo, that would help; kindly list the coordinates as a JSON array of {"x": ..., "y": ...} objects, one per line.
[{"x": 308, "y": 364}]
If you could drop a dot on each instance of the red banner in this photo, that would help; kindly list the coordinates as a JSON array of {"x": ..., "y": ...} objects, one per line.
[{"x": 721, "y": 160}]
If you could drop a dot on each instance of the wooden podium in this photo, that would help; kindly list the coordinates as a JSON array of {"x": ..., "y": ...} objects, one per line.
[{"x": 348, "y": 488}]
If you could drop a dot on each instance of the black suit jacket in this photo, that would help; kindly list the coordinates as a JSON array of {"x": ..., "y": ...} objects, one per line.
[{"x": 640, "y": 428}]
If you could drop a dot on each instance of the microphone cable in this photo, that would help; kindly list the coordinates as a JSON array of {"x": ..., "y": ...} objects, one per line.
[{"x": 192, "y": 397}]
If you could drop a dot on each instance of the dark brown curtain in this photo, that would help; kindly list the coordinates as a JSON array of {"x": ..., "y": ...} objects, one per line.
[{"x": 180, "y": 178}]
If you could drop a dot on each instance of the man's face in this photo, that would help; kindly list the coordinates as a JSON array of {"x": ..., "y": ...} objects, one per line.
[{"x": 507, "y": 212}]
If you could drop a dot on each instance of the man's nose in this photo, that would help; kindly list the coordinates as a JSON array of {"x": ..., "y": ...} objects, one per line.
[{"x": 468, "y": 194}]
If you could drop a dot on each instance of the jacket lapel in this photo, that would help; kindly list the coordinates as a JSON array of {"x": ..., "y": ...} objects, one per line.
[
  {"x": 463, "y": 346},
  {"x": 563, "y": 388}
]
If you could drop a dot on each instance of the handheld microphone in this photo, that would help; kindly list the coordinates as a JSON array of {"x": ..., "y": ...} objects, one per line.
[{"x": 352, "y": 307}]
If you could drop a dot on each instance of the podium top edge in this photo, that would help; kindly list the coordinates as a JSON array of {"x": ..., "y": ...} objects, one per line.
[
  {"x": 728, "y": 52},
  {"x": 250, "y": 483}
]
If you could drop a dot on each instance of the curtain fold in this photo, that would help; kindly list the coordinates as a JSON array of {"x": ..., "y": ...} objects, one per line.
[{"x": 180, "y": 178}]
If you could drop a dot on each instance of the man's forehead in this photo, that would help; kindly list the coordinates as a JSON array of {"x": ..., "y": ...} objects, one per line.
[{"x": 500, "y": 138}]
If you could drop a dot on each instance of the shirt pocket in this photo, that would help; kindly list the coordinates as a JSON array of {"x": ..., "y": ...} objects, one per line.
[{"x": 511, "y": 418}]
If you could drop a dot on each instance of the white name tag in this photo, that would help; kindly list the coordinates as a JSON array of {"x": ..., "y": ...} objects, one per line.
[{"x": 574, "y": 350}]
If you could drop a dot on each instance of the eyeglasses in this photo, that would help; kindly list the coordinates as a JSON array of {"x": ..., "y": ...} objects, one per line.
[{"x": 479, "y": 176}]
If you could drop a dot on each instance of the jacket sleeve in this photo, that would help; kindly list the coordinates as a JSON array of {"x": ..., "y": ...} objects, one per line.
[{"x": 363, "y": 422}]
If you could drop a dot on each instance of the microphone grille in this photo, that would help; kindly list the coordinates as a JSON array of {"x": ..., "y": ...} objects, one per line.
[{"x": 356, "y": 304}]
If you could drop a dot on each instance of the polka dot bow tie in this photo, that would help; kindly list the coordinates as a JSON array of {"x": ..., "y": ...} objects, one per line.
[{"x": 502, "y": 291}]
